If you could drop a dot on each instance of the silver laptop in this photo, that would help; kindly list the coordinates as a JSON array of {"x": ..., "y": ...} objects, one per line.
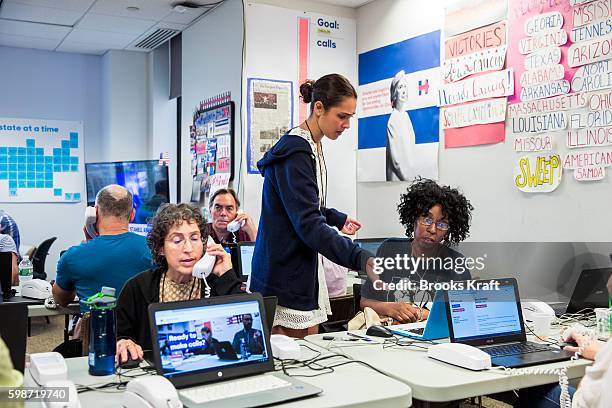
[
  {"x": 490, "y": 318},
  {"x": 217, "y": 353}
]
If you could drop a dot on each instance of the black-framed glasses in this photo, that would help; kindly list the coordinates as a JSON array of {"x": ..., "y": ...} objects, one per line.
[{"x": 428, "y": 222}]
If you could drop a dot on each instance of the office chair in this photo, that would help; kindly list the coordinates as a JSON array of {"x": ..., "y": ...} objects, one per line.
[
  {"x": 40, "y": 255},
  {"x": 6, "y": 274}
]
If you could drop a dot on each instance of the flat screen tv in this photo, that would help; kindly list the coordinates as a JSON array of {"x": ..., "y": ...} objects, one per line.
[{"x": 147, "y": 180}]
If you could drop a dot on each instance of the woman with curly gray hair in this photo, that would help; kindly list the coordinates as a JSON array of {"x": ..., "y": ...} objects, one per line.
[{"x": 177, "y": 239}]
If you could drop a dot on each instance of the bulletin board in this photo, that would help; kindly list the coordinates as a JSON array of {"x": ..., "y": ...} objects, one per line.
[{"x": 212, "y": 147}]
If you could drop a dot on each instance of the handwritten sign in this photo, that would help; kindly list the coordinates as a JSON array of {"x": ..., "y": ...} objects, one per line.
[
  {"x": 491, "y": 59},
  {"x": 499, "y": 83},
  {"x": 535, "y": 143},
  {"x": 592, "y": 158},
  {"x": 541, "y": 23},
  {"x": 589, "y": 173},
  {"x": 578, "y": 2},
  {"x": 218, "y": 181},
  {"x": 591, "y": 12},
  {"x": 491, "y": 36},
  {"x": 549, "y": 39},
  {"x": 545, "y": 122},
  {"x": 599, "y": 49},
  {"x": 554, "y": 88},
  {"x": 599, "y": 100},
  {"x": 589, "y": 137},
  {"x": 593, "y": 30},
  {"x": 593, "y": 77},
  {"x": 541, "y": 75},
  {"x": 542, "y": 58},
  {"x": 489, "y": 111},
  {"x": 537, "y": 173},
  {"x": 598, "y": 118},
  {"x": 558, "y": 103}
]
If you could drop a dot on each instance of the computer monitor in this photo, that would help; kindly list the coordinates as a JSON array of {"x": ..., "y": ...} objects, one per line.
[
  {"x": 245, "y": 257},
  {"x": 370, "y": 244},
  {"x": 147, "y": 180}
]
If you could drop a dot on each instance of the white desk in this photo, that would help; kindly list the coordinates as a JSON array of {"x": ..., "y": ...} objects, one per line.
[
  {"x": 41, "y": 310},
  {"x": 435, "y": 381},
  {"x": 352, "y": 385}
]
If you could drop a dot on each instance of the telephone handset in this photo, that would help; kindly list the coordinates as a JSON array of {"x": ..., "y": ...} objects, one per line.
[
  {"x": 205, "y": 265},
  {"x": 90, "y": 221}
]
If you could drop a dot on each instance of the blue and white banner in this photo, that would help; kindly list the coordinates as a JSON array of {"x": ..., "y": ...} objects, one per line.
[{"x": 398, "y": 117}]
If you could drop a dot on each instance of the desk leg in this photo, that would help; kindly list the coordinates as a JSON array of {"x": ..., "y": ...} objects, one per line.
[{"x": 29, "y": 327}]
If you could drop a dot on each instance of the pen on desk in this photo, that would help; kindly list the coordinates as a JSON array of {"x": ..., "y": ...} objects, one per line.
[{"x": 364, "y": 338}]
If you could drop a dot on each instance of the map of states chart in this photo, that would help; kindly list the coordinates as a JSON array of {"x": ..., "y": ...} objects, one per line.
[{"x": 41, "y": 160}]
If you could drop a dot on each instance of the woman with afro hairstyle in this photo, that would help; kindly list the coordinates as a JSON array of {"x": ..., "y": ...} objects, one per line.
[{"x": 434, "y": 217}]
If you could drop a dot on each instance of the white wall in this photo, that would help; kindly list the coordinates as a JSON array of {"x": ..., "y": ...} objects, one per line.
[
  {"x": 574, "y": 212},
  {"x": 162, "y": 112},
  {"x": 212, "y": 62},
  {"x": 125, "y": 127},
  {"x": 50, "y": 85},
  {"x": 273, "y": 56}
]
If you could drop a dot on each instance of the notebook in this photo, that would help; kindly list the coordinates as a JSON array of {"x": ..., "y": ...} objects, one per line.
[
  {"x": 435, "y": 327},
  {"x": 490, "y": 318},
  {"x": 238, "y": 370}
]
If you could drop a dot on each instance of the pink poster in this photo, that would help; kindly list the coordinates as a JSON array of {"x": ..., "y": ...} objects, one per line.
[
  {"x": 475, "y": 135},
  {"x": 519, "y": 13},
  {"x": 493, "y": 35}
]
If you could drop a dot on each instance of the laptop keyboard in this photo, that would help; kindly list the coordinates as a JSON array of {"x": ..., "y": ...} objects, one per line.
[
  {"x": 418, "y": 331},
  {"x": 514, "y": 349},
  {"x": 234, "y": 388}
]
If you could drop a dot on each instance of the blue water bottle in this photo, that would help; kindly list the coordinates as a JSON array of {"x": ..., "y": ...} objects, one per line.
[
  {"x": 243, "y": 350},
  {"x": 102, "y": 332}
]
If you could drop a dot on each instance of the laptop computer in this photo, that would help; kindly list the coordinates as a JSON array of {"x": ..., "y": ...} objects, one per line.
[
  {"x": 435, "y": 327},
  {"x": 14, "y": 331},
  {"x": 370, "y": 244},
  {"x": 205, "y": 380},
  {"x": 245, "y": 257},
  {"x": 590, "y": 291},
  {"x": 224, "y": 350},
  {"x": 491, "y": 319}
]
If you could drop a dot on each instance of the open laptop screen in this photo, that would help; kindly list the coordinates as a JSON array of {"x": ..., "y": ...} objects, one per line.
[
  {"x": 195, "y": 338},
  {"x": 370, "y": 244},
  {"x": 484, "y": 314},
  {"x": 246, "y": 250}
]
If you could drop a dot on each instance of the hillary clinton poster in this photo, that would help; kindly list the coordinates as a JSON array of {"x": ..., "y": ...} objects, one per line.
[{"x": 398, "y": 118}]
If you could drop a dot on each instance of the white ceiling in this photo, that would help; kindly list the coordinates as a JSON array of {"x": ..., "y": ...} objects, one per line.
[
  {"x": 96, "y": 26},
  {"x": 90, "y": 26}
]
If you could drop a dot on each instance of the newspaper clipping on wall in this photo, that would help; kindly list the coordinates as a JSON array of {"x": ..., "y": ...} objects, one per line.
[{"x": 269, "y": 116}]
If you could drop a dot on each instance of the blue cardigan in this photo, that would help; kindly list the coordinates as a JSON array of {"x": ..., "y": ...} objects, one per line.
[{"x": 293, "y": 229}]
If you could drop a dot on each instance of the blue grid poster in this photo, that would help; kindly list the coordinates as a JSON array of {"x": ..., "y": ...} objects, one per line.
[{"x": 41, "y": 160}]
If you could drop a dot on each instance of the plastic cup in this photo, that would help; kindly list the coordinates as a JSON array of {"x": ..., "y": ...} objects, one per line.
[
  {"x": 602, "y": 317},
  {"x": 542, "y": 324}
]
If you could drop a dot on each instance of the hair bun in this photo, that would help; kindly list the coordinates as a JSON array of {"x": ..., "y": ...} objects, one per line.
[{"x": 306, "y": 90}]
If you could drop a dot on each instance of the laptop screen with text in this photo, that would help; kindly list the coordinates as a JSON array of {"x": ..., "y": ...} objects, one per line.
[
  {"x": 246, "y": 257},
  {"x": 479, "y": 314},
  {"x": 204, "y": 338}
]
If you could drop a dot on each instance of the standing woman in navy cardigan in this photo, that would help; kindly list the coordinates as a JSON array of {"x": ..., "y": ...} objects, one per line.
[{"x": 295, "y": 224}]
